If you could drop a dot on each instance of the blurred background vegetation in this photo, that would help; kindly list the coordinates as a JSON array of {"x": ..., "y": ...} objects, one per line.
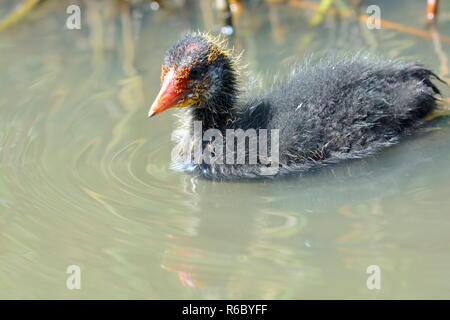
[{"x": 237, "y": 17}]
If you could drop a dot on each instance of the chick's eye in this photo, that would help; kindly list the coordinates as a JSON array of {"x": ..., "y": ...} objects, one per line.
[{"x": 195, "y": 73}]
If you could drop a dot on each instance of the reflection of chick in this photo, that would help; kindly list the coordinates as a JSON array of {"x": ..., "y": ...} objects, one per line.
[
  {"x": 432, "y": 8},
  {"x": 206, "y": 253}
]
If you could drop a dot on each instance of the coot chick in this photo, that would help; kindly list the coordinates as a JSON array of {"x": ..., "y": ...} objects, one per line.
[{"x": 325, "y": 112}]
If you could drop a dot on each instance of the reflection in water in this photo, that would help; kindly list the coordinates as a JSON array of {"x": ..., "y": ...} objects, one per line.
[
  {"x": 252, "y": 251},
  {"x": 85, "y": 177}
]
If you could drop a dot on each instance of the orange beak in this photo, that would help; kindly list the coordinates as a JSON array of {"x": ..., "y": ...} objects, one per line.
[{"x": 168, "y": 96}]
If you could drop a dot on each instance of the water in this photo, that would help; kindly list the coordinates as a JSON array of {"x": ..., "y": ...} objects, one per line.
[{"x": 84, "y": 177}]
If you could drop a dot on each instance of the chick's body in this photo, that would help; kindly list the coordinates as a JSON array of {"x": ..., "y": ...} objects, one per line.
[{"x": 326, "y": 112}]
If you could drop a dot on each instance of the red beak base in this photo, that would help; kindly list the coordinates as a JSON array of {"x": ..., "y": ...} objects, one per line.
[{"x": 168, "y": 96}]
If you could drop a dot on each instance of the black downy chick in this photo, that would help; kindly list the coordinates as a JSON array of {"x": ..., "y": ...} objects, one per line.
[{"x": 334, "y": 110}]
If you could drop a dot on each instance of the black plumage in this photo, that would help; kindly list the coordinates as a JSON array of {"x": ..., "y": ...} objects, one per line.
[{"x": 334, "y": 109}]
